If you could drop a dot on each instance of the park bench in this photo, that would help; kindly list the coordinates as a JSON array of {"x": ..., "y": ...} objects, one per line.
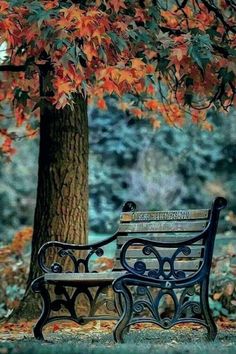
[{"x": 158, "y": 254}]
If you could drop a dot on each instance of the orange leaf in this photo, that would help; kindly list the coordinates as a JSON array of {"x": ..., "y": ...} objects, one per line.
[
  {"x": 207, "y": 126},
  {"x": 151, "y": 89},
  {"x": 153, "y": 105},
  {"x": 155, "y": 123},
  {"x": 7, "y": 146},
  {"x": 110, "y": 87},
  {"x": 20, "y": 115},
  {"x": 137, "y": 64},
  {"x": 117, "y": 5},
  {"x": 51, "y": 4},
  {"x": 137, "y": 112},
  {"x": 55, "y": 327},
  {"x": 3, "y": 6},
  {"x": 102, "y": 104},
  {"x": 90, "y": 51}
]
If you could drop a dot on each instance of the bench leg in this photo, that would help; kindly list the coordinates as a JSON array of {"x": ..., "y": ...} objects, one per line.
[
  {"x": 119, "y": 309},
  {"x": 38, "y": 286},
  {"x": 122, "y": 327},
  {"x": 212, "y": 329}
]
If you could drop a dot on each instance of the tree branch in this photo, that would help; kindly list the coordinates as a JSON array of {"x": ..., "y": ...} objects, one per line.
[
  {"x": 219, "y": 15},
  {"x": 13, "y": 68}
]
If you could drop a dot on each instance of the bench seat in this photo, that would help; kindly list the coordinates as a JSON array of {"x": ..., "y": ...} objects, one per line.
[{"x": 93, "y": 278}]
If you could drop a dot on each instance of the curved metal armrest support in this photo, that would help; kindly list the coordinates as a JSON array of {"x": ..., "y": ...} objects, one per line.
[
  {"x": 149, "y": 248},
  {"x": 66, "y": 249}
]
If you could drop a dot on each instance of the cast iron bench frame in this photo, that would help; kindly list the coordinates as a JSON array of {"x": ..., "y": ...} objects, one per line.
[{"x": 131, "y": 271}]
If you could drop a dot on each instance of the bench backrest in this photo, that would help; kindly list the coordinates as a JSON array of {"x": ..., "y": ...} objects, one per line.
[{"x": 170, "y": 229}]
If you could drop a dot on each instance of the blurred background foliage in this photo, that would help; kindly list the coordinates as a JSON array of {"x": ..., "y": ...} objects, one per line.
[{"x": 159, "y": 169}]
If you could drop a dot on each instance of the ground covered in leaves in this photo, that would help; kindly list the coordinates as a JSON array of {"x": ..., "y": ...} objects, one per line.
[{"x": 96, "y": 338}]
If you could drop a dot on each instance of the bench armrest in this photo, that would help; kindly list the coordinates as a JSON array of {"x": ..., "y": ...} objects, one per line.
[{"x": 67, "y": 250}]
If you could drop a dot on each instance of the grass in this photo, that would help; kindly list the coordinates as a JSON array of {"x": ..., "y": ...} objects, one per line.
[{"x": 137, "y": 342}]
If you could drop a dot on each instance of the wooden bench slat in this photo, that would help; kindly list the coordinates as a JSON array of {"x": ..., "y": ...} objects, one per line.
[
  {"x": 158, "y": 238},
  {"x": 164, "y": 252},
  {"x": 165, "y": 215},
  {"x": 83, "y": 277},
  {"x": 153, "y": 264},
  {"x": 162, "y": 226}
]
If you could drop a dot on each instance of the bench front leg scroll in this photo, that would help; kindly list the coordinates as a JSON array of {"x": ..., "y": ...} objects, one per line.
[
  {"x": 38, "y": 286},
  {"x": 122, "y": 325}
]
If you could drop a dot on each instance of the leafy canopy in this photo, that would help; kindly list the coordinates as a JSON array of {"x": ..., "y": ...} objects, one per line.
[{"x": 160, "y": 58}]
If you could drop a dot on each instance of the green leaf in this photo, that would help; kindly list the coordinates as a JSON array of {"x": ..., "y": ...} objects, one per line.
[
  {"x": 188, "y": 97},
  {"x": 224, "y": 311},
  {"x": 200, "y": 50},
  {"x": 21, "y": 96},
  {"x": 118, "y": 42}
]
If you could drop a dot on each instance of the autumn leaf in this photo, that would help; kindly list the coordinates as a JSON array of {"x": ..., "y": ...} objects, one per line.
[
  {"x": 114, "y": 47},
  {"x": 48, "y": 5},
  {"x": 198, "y": 116},
  {"x": 101, "y": 103},
  {"x": 56, "y": 327},
  {"x": 152, "y": 105},
  {"x": 155, "y": 123},
  {"x": 123, "y": 106},
  {"x": 20, "y": 115},
  {"x": 207, "y": 126},
  {"x": 7, "y": 146},
  {"x": 171, "y": 20},
  {"x": 63, "y": 85},
  {"x": 110, "y": 87},
  {"x": 151, "y": 89},
  {"x": 137, "y": 64},
  {"x": 116, "y": 5},
  {"x": 137, "y": 112},
  {"x": 20, "y": 239},
  {"x": 90, "y": 51},
  {"x": 3, "y": 7}
]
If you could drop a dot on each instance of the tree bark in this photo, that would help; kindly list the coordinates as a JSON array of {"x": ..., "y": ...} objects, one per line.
[{"x": 62, "y": 195}]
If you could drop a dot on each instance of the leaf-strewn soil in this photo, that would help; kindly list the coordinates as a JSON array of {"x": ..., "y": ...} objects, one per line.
[{"x": 96, "y": 338}]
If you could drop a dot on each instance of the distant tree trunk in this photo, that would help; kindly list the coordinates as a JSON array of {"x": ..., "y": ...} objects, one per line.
[{"x": 62, "y": 193}]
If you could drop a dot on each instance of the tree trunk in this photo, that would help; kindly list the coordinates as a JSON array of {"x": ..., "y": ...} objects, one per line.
[{"x": 62, "y": 194}]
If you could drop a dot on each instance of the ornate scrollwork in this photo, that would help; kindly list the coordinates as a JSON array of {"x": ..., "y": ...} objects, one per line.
[
  {"x": 56, "y": 268},
  {"x": 64, "y": 250},
  {"x": 148, "y": 307},
  {"x": 141, "y": 290},
  {"x": 140, "y": 267},
  {"x": 68, "y": 302},
  {"x": 160, "y": 271},
  {"x": 165, "y": 267},
  {"x": 138, "y": 307}
]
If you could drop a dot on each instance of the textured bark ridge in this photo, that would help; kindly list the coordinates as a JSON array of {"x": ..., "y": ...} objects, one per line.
[{"x": 62, "y": 194}]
